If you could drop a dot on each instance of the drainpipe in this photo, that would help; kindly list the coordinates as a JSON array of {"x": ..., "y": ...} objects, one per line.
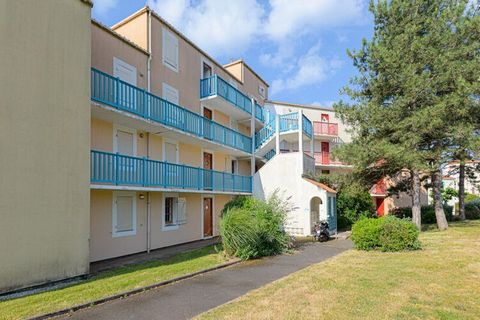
[
  {"x": 149, "y": 49},
  {"x": 149, "y": 208}
]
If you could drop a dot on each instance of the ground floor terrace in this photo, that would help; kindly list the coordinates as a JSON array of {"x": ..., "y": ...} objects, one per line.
[{"x": 124, "y": 222}]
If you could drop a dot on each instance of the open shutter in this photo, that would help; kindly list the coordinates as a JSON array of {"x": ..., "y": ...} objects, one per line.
[{"x": 182, "y": 211}]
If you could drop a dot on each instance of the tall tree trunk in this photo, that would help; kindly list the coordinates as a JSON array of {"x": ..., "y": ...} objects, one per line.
[
  {"x": 437, "y": 201},
  {"x": 416, "y": 207},
  {"x": 461, "y": 190}
]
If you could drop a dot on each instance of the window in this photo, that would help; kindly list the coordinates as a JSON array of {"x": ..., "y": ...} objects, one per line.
[
  {"x": 124, "y": 71},
  {"x": 206, "y": 70},
  {"x": 170, "y": 50},
  {"x": 324, "y": 117},
  {"x": 174, "y": 211},
  {"x": 124, "y": 215},
  {"x": 170, "y": 93},
  {"x": 234, "y": 167},
  {"x": 261, "y": 91},
  {"x": 325, "y": 171}
]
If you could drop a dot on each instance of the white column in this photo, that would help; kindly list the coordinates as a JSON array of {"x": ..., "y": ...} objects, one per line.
[
  {"x": 312, "y": 145},
  {"x": 252, "y": 134},
  {"x": 277, "y": 134}
]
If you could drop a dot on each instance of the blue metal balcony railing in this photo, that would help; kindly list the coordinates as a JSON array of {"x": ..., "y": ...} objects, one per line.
[
  {"x": 307, "y": 126},
  {"x": 215, "y": 85},
  {"x": 265, "y": 133},
  {"x": 116, "y": 169},
  {"x": 269, "y": 155},
  {"x": 259, "y": 112},
  {"x": 121, "y": 95},
  {"x": 289, "y": 122}
]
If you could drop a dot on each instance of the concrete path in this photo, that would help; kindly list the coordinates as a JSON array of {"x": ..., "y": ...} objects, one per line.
[{"x": 188, "y": 298}]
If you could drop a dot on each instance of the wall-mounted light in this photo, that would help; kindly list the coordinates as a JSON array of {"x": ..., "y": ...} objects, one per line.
[
  {"x": 140, "y": 134},
  {"x": 141, "y": 196}
]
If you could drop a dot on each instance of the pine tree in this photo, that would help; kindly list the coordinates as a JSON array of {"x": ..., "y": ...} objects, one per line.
[{"x": 410, "y": 78}]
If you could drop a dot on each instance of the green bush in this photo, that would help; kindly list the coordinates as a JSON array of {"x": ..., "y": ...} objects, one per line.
[
  {"x": 470, "y": 197},
  {"x": 472, "y": 209},
  {"x": 385, "y": 234},
  {"x": 427, "y": 212},
  {"x": 353, "y": 205},
  {"x": 254, "y": 228}
]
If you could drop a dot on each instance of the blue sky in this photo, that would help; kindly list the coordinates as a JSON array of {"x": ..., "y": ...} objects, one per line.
[{"x": 297, "y": 46}]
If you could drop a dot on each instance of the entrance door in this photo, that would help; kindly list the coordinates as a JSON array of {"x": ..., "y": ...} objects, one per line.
[
  {"x": 325, "y": 153},
  {"x": 207, "y": 71},
  {"x": 208, "y": 175},
  {"x": 207, "y": 217},
  {"x": 207, "y": 124},
  {"x": 324, "y": 117},
  {"x": 124, "y": 144},
  {"x": 380, "y": 206}
]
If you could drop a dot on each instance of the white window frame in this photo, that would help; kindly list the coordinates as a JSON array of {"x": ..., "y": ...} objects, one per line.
[
  {"x": 165, "y": 33},
  {"x": 164, "y": 154},
  {"x": 165, "y": 87},
  {"x": 175, "y": 225},
  {"x": 207, "y": 62},
  {"x": 214, "y": 220},
  {"x": 262, "y": 91},
  {"x": 117, "y": 234},
  {"x": 116, "y": 128}
]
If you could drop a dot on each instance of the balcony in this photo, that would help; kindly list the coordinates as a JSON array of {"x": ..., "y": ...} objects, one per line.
[
  {"x": 259, "y": 113},
  {"x": 226, "y": 98},
  {"x": 324, "y": 159},
  {"x": 110, "y": 169},
  {"x": 325, "y": 128},
  {"x": 120, "y": 95}
]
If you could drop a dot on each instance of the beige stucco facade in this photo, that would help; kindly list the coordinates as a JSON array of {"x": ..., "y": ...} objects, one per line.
[{"x": 44, "y": 141}]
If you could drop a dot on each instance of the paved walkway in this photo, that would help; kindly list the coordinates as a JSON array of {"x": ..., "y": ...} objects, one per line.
[{"x": 188, "y": 298}]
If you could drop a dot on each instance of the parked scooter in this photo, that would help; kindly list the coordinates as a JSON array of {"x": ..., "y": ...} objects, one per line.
[{"x": 321, "y": 232}]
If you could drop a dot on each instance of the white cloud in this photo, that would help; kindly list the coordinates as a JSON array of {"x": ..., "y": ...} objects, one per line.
[
  {"x": 102, "y": 6},
  {"x": 220, "y": 27},
  {"x": 292, "y": 18},
  {"x": 325, "y": 104},
  {"x": 311, "y": 69}
]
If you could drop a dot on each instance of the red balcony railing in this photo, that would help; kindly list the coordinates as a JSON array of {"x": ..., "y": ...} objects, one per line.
[
  {"x": 325, "y": 128},
  {"x": 325, "y": 159},
  {"x": 379, "y": 188}
]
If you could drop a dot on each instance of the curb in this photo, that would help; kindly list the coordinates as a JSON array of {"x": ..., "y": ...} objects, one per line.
[{"x": 130, "y": 293}]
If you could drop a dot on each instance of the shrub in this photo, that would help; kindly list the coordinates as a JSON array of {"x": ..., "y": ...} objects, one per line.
[
  {"x": 472, "y": 209},
  {"x": 385, "y": 234},
  {"x": 470, "y": 197},
  {"x": 254, "y": 228},
  {"x": 352, "y": 205},
  {"x": 427, "y": 212}
]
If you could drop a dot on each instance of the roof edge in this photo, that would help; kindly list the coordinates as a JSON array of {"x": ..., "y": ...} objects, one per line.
[
  {"x": 298, "y": 105},
  {"x": 321, "y": 185},
  {"x": 249, "y": 68}
]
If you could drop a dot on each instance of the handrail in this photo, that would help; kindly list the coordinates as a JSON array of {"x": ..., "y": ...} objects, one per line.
[
  {"x": 215, "y": 85},
  {"x": 259, "y": 112},
  {"x": 117, "y": 169},
  {"x": 325, "y": 128},
  {"x": 265, "y": 133},
  {"x": 289, "y": 121},
  {"x": 114, "y": 92},
  {"x": 307, "y": 126}
]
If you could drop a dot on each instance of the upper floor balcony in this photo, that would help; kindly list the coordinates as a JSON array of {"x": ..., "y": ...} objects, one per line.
[
  {"x": 259, "y": 113},
  {"x": 325, "y": 128},
  {"x": 224, "y": 97},
  {"x": 325, "y": 159},
  {"x": 112, "y": 170},
  {"x": 113, "y": 92}
]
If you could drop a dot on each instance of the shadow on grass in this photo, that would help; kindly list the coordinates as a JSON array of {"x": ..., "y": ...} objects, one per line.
[{"x": 457, "y": 224}]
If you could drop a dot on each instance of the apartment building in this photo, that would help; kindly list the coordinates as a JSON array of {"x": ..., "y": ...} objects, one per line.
[
  {"x": 171, "y": 136},
  {"x": 327, "y": 133},
  {"x": 130, "y": 138}
]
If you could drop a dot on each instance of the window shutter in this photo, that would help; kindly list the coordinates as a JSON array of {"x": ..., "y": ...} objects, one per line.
[
  {"x": 170, "y": 49},
  {"x": 181, "y": 210}
]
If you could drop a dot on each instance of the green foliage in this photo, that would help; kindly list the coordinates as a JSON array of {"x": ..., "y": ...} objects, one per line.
[
  {"x": 472, "y": 209},
  {"x": 237, "y": 202},
  {"x": 448, "y": 194},
  {"x": 385, "y": 234},
  {"x": 252, "y": 228},
  {"x": 470, "y": 197},
  {"x": 427, "y": 212},
  {"x": 353, "y": 199}
]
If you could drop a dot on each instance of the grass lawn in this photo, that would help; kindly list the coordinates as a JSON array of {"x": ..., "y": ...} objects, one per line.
[
  {"x": 111, "y": 282},
  {"x": 441, "y": 281}
]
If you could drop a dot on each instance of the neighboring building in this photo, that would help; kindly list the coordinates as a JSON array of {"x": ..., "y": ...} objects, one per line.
[
  {"x": 328, "y": 133},
  {"x": 472, "y": 180},
  {"x": 128, "y": 139},
  {"x": 45, "y": 141}
]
